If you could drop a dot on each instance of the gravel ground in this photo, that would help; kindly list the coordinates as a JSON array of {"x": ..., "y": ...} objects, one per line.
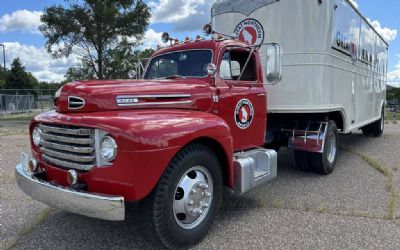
[
  {"x": 346, "y": 210},
  {"x": 385, "y": 149}
]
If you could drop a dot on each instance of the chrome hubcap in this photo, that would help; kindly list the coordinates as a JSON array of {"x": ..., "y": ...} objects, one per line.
[
  {"x": 331, "y": 148},
  {"x": 193, "y": 197}
]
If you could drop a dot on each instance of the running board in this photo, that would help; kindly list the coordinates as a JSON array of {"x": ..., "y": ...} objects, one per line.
[{"x": 253, "y": 168}]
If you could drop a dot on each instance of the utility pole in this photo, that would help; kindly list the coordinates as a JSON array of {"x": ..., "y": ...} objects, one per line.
[{"x": 4, "y": 56}]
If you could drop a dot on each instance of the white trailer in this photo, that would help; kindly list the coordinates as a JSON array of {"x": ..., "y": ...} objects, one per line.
[{"x": 334, "y": 61}]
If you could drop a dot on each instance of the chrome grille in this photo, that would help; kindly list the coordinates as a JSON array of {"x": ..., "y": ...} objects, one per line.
[{"x": 68, "y": 146}]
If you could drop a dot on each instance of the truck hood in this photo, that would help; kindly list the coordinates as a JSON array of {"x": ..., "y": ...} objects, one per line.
[{"x": 101, "y": 95}]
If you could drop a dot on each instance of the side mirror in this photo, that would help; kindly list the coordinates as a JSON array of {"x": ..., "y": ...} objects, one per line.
[
  {"x": 272, "y": 63},
  {"x": 132, "y": 74},
  {"x": 211, "y": 69}
]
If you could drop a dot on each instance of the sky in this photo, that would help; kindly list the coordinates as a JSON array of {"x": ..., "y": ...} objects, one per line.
[{"x": 19, "y": 20}]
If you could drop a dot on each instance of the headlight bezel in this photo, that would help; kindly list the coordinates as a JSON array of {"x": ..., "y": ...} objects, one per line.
[
  {"x": 113, "y": 145},
  {"x": 37, "y": 136}
]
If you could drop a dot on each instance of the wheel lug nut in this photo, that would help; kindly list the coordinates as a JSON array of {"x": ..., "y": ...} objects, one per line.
[
  {"x": 190, "y": 202},
  {"x": 193, "y": 191},
  {"x": 198, "y": 211},
  {"x": 192, "y": 211},
  {"x": 203, "y": 185},
  {"x": 204, "y": 204},
  {"x": 207, "y": 194}
]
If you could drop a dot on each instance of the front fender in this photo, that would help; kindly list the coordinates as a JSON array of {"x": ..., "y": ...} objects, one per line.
[{"x": 147, "y": 141}]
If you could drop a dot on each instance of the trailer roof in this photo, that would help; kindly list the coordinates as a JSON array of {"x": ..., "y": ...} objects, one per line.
[{"x": 247, "y": 7}]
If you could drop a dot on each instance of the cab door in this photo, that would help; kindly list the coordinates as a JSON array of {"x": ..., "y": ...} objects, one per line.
[{"x": 241, "y": 100}]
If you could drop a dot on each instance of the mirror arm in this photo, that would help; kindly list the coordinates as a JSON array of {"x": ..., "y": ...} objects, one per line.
[{"x": 247, "y": 62}]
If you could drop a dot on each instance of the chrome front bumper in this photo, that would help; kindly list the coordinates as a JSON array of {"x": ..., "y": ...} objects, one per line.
[{"x": 92, "y": 205}]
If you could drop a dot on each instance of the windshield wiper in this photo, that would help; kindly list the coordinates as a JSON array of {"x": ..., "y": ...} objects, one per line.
[{"x": 173, "y": 77}]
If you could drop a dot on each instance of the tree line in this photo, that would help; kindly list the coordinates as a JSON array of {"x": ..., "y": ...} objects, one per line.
[{"x": 105, "y": 35}]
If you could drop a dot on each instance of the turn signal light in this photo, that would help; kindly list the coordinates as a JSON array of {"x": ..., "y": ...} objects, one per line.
[{"x": 72, "y": 177}]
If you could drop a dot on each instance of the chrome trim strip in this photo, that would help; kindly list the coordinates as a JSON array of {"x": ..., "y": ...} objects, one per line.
[
  {"x": 68, "y": 164},
  {"x": 104, "y": 207},
  {"x": 66, "y": 156},
  {"x": 73, "y": 149},
  {"x": 81, "y": 141},
  {"x": 138, "y": 97},
  {"x": 154, "y": 96},
  {"x": 155, "y": 103},
  {"x": 69, "y": 131}
]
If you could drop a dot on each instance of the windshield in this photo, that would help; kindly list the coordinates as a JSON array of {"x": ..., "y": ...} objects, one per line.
[{"x": 180, "y": 64}]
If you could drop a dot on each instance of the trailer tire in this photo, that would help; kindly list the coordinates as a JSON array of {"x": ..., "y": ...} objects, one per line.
[
  {"x": 167, "y": 216},
  {"x": 302, "y": 160},
  {"x": 324, "y": 163},
  {"x": 378, "y": 126}
]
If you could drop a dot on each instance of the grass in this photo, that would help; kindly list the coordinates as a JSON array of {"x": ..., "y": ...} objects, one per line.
[
  {"x": 387, "y": 172},
  {"x": 19, "y": 117},
  {"x": 389, "y": 116}
]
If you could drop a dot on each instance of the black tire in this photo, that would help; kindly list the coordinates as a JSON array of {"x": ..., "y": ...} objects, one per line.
[
  {"x": 158, "y": 212},
  {"x": 302, "y": 160},
  {"x": 378, "y": 126},
  {"x": 324, "y": 163}
]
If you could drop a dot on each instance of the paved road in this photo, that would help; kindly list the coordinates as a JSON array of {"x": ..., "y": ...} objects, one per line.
[{"x": 348, "y": 209}]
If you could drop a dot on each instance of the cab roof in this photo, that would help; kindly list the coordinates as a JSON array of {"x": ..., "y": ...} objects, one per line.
[{"x": 212, "y": 44}]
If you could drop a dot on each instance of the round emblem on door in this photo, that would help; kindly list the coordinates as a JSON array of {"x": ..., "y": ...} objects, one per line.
[{"x": 244, "y": 113}]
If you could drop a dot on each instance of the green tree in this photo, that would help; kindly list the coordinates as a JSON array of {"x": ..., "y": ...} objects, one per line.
[
  {"x": 90, "y": 28},
  {"x": 119, "y": 61},
  {"x": 3, "y": 77},
  {"x": 18, "y": 78}
]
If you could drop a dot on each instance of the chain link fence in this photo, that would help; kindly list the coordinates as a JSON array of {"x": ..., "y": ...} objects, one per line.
[{"x": 25, "y": 100}]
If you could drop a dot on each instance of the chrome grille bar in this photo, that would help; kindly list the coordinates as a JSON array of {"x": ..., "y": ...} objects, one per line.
[
  {"x": 65, "y": 156},
  {"x": 73, "y": 140},
  {"x": 69, "y": 148},
  {"x": 68, "y": 131},
  {"x": 67, "y": 164}
]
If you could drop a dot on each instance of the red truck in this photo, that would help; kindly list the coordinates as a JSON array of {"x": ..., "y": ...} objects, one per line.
[
  {"x": 194, "y": 123},
  {"x": 171, "y": 140}
]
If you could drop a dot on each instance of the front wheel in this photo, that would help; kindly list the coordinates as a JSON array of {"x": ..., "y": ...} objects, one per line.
[
  {"x": 180, "y": 210},
  {"x": 324, "y": 163}
]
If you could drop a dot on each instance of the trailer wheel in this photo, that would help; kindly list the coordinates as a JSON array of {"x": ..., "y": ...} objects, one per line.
[
  {"x": 302, "y": 162},
  {"x": 324, "y": 163},
  {"x": 181, "y": 208},
  {"x": 378, "y": 126}
]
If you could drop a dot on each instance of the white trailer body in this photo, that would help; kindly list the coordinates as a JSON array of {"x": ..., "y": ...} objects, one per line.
[{"x": 333, "y": 59}]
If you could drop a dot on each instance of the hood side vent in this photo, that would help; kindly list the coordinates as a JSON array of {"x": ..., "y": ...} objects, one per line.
[{"x": 75, "y": 102}]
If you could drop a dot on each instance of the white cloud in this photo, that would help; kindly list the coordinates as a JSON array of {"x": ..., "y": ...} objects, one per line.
[
  {"x": 151, "y": 39},
  {"x": 355, "y": 4},
  {"x": 394, "y": 76},
  {"x": 21, "y": 20},
  {"x": 39, "y": 62},
  {"x": 185, "y": 15},
  {"x": 387, "y": 33}
]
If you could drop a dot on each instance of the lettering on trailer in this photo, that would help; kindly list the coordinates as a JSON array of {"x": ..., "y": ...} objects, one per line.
[
  {"x": 244, "y": 113},
  {"x": 346, "y": 44},
  {"x": 250, "y": 31}
]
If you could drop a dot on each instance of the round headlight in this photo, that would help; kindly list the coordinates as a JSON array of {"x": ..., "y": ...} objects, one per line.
[
  {"x": 36, "y": 134},
  {"x": 108, "y": 148}
]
